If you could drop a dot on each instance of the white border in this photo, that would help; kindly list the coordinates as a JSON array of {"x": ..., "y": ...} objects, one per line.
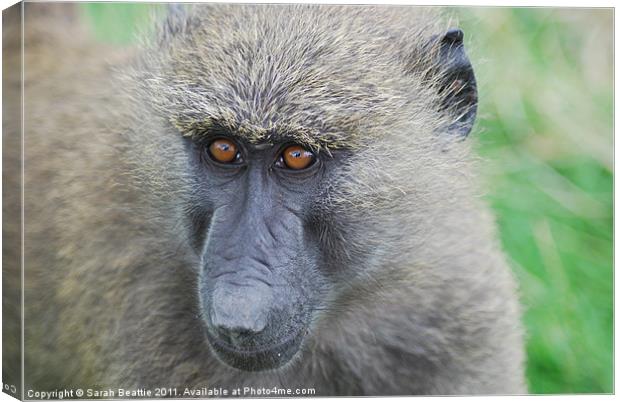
[{"x": 541, "y": 3}]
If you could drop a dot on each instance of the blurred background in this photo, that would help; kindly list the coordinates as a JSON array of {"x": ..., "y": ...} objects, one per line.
[{"x": 545, "y": 135}]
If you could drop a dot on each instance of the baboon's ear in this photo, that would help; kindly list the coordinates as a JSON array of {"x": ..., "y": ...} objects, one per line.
[{"x": 457, "y": 83}]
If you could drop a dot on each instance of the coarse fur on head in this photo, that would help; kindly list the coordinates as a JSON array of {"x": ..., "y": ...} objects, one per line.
[{"x": 374, "y": 271}]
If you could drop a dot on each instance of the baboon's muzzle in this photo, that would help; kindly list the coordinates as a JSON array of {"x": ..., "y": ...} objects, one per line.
[
  {"x": 253, "y": 289},
  {"x": 250, "y": 327}
]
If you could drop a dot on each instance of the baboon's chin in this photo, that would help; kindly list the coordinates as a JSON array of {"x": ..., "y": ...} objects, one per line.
[{"x": 259, "y": 359}]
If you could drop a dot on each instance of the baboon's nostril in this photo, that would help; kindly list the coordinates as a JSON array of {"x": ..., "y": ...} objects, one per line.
[{"x": 237, "y": 336}]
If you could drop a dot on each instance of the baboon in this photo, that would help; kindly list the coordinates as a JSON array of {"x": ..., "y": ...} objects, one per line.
[{"x": 257, "y": 196}]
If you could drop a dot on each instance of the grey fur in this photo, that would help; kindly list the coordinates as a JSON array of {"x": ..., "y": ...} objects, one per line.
[{"x": 424, "y": 302}]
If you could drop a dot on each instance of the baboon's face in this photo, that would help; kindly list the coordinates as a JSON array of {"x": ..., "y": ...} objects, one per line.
[
  {"x": 278, "y": 227},
  {"x": 260, "y": 276}
]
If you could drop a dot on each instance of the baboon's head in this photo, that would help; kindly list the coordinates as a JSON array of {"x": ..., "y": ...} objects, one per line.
[{"x": 289, "y": 137}]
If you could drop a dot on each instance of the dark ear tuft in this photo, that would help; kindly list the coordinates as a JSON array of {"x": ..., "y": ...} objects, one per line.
[
  {"x": 454, "y": 35},
  {"x": 457, "y": 83}
]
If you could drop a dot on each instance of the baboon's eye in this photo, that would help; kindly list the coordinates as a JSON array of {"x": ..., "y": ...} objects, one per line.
[
  {"x": 224, "y": 151},
  {"x": 295, "y": 157}
]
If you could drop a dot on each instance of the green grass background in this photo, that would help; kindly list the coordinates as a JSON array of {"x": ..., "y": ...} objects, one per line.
[{"x": 545, "y": 133}]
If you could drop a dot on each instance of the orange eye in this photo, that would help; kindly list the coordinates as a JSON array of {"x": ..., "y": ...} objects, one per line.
[
  {"x": 297, "y": 157},
  {"x": 223, "y": 150}
]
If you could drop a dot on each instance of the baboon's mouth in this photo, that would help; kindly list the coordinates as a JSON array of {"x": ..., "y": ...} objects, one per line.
[{"x": 263, "y": 358}]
